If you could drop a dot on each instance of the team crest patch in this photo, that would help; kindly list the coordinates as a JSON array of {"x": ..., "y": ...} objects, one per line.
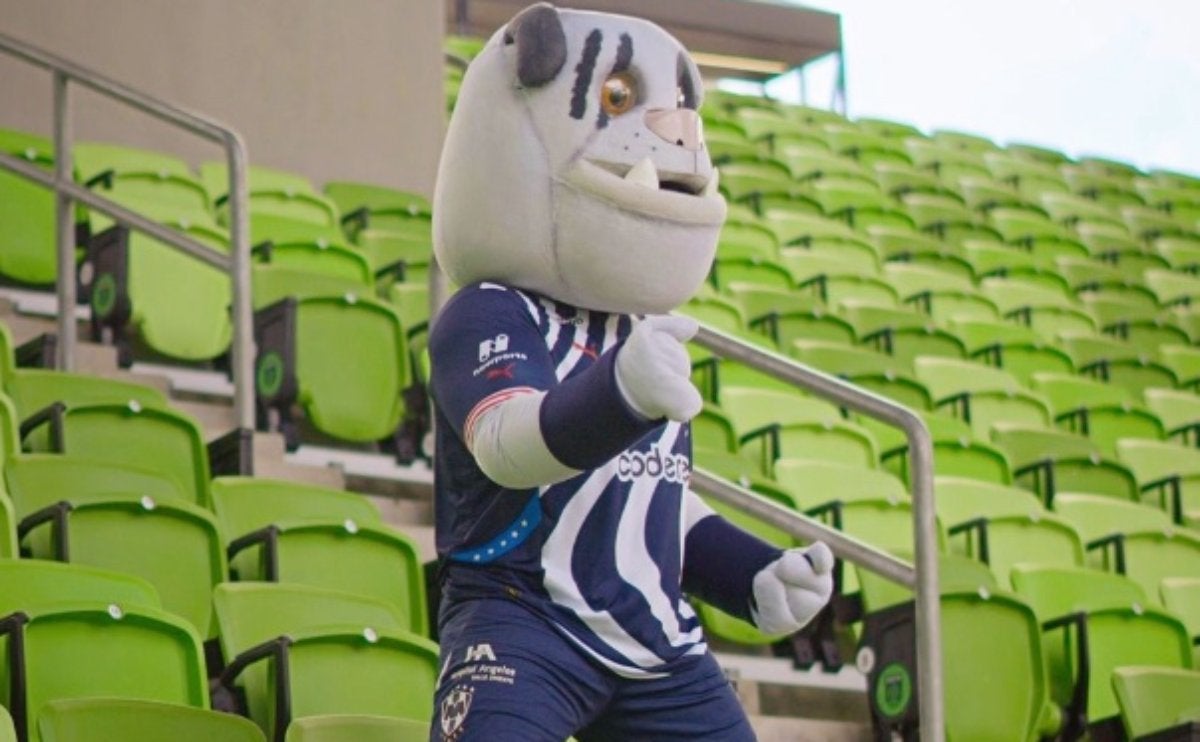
[{"x": 455, "y": 706}]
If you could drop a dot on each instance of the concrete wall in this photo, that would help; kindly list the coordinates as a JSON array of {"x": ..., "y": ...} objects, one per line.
[{"x": 345, "y": 89}]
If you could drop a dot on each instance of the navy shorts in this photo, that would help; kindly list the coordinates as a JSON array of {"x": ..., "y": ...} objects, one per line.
[{"x": 508, "y": 676}]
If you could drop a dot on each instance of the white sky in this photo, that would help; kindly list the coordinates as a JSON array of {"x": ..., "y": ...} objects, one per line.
[{"x": 1118, "y": 78}]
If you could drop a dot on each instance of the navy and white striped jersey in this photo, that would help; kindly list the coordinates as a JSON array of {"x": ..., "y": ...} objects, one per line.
[{"x": 601, "y": 555}]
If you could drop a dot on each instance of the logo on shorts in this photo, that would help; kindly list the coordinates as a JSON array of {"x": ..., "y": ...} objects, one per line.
[{"x": 454, "y": 710}]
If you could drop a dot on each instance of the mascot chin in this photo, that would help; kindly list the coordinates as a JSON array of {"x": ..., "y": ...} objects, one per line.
[{"x": 577, "y": 206}]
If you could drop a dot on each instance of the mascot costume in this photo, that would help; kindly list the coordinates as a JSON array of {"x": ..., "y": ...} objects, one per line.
[{"x": 577, "y": 206}]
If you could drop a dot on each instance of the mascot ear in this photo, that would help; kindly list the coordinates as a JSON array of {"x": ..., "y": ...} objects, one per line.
[{"x": 541, "y": 44}]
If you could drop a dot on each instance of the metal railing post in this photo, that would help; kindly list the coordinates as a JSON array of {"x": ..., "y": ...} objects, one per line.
[
  {"x": 65, "y": 223},
  {"x": 920, "y": 448},
  {"x": 242, "y": 350}
]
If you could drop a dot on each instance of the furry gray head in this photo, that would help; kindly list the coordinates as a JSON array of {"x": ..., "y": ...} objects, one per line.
[{"x": 575, "y": 165}]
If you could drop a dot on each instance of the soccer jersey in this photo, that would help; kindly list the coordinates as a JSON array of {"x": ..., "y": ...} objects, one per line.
[{"x": 599, "y": 555}]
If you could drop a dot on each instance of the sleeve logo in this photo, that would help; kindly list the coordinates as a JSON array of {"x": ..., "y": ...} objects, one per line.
[{"x": 488, "y": 348}]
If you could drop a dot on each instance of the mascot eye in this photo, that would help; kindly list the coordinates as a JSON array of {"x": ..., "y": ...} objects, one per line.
[{"x": 618, "y": 94}]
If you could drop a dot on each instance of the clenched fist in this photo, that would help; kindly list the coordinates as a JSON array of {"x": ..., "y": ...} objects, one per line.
[
  {"x": 791, "y": 590},
  {"x": 653, "y": 369}
]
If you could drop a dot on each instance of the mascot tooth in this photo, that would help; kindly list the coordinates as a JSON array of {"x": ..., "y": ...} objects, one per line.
[{"x": 577, "y": 206}]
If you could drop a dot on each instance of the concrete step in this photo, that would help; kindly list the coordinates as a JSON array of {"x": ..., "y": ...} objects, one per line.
[{"x": 791, "y": 729}]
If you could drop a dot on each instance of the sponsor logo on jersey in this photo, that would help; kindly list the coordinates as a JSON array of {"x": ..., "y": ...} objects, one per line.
[
  {"x": 673, "y": 467},
  {"x": 488, "y": 348}
]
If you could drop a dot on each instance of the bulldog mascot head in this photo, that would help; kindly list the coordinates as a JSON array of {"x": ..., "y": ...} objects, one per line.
[{"x": 575, "y": 165}]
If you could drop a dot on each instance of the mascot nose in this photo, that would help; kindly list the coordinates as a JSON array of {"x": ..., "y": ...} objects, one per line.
[{"x": 680, "y": 126}]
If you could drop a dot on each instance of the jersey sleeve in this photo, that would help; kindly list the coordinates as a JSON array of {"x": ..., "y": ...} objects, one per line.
[{"x": 486, "y": 347}]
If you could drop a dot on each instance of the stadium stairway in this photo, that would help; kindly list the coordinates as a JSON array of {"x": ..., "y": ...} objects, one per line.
[{"x": 776, "y": 695}]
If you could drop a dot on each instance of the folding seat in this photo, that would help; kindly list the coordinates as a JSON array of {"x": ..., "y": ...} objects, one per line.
[
  {"x": 1179, "y": 412},
  {"x": 995, "y": 258},
  {"x": 746, "y": 180},
  {"x": 1181, "y": 254},
  {"x": 287, "y": 532},
  {"x": 734, "y": 467},
  {"x": 1112, "y": 168},
  {"x": 1090, "y": 275},
  {"x": 411, "y": 301},
  {"x": 741, "y": 239},
  {"x": 1004, "y": 526},
  {"x": 811, "y": 481},
  {"x": 963, "y": 140},
  {"x": 896, "y": 179},
  {"x": 886, "y": 128},
  {"x": 1173, "y": 288},
  {"x": 1187, "y": 319},
  {"x": 858, "y": 203},
  {"x": 167, "y": 300},
  {"x": 33, "y": 582},
  {"x": 822, "y": 236},
  {"x": 284, "y": 215},
  {"x": 1045, "y": 311},
  {"x": 355, "y": 394},
  {"x": 948, "y": 162},
  {"x": 793, "y": 138},
  {"x": 7, "y": 733},
  {"x": 1101, "y": 622},
  {"x": 350, "y": 196},
  {"x": 304, "y": 269},
  {"x": 215, "y": 176},
  {"x": 1181, "y": 596},
  {"x": 1133, "y": 320},
  {"x": 865, "y": 147},
  {"x": 1158, "y": 702},
  {"x": 899, "y": 244},
  {"x": 754, "y": 271},
  {"x": 955, "y": 451},
  {"x": 326, "y": 652},
  {"x": 726, "y": 144},
  {"x": 757, "y": 301},
  {"x": 1037, "y": 153},
  {"x": 400, "y": 256},
  {"x": 1030, "y": 178},
  {"x": 361, "y": 728},
  {"x": 832, "y": 279},
  {"x": 879, "y": 372},
  {"x": 940, "y": 294},
  {"x": 1139, "y": 541},
  {"x": 1008, "y": 701},
  {"x": 772, "y": 424},
  {"x": 808, "y": 165},
  {"x": 1071, "y": 210},
  {"x": 1051, "y": 461},
  {"x": 898, "y": 332},
  {"x": 1174, "y": 179},
  {"x": 96, "y": 648},
  {"x": 712, "y": 430},
  {"x": 1149, "y": 224},
  {"x": 102, "y": 719},
  {"x": 126, "y": 173},
  {"x": 1010, "y": 346},
  {"x": 1100, "y": 187},
  {"x": 980, "y": 395},
  {"x": 154, "y": 439},
  {"x": 725, "y": 315},
  {"x": 985, "y": 194},
  {"x": 33, "y": 389},
  {"x": 1104, "y": 413},
  {"x": 811, "y": 116},
  {"x": 27, "y": 242},
  {"x": 794, "y": 203},
  {"x": 761, "y": 122},
  {"x": 1117, "y": 362},
  {"x": 1039, "y": 235},
  {"x": 946, "y": 218},
  {"x": 1168, "y": 470}
]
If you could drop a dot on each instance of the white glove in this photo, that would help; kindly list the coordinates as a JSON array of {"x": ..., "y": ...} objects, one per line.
[
  {"x": 653, "y": 369},
  {"x": 791, "y": 590}
]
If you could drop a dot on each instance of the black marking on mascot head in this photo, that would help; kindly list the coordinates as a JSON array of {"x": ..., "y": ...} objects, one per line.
[
  {"x": 624, "y": 59},
  {"x": 541, "y": 44},
  {"x": 583, "y": 73}
]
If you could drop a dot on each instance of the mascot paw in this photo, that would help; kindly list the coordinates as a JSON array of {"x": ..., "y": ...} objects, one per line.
[
  {"x": 653, "y": 369},
  {"x": 791, "y": 590}
]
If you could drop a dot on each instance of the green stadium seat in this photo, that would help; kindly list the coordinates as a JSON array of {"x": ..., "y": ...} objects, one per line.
[
  {"x": 753, "y": 271},
  {"x": 1112, "y": 168},
  {"x": 104, "y": 719},
  {"x": 7, "y": 733},
  {"x": 1072, "y": 210},
  {"x": 1182, "y": 254},
  {"x": 411, "y": 301},
  {"x": 948, "y": 162},
  {"x": 284, "y": 215},
  {"x": 1173, "y": 288},
  {"x": 1041, "y": 236},
  {"x": 822, "y": 481},
  {"x": 33, "y": 582},
  {"x": 1101, "y": 187},
  {"x": 963, "y": 140},
  {"x": 215, "y": 176},
  {"x": 360, "y": 728},
  {"x": 897, "y": 179},
  {"x": 350, "y": 196},
  {"x": 956, "y": 451},
  {"x": 833, "y": 279},
  {"x": 171, "y": 302},
  {"x": 886, "y": 128},
  {"x": 985, "y": 194},
  {"x": 746, "y": 180},
  {"x": 1052, "y": 461},
  {"x": 1103, "y": 412},
  {"x": 822, "y": 236},
  {"x": 1009, "y": 701},
  {"x": 995, "y": 258},
  {"x": 27, "y": 242},
  {"x": 158, "y": 440},
  {"x": 879, "y": 372},
  {"x": 332, "y": 653},
  {"x": 865, "y": 147},
  {"x": 354, "y": 394},
  {"x": 941, "y": 294},
  {"x": 1046, "y": 311},
  {"x": 807, "y": 163},
  {"x": 713, "y": 430},
  {"x": 287, "y": 532},
  {"x": 1173, "y": 179},
  {"x": 1168, "y": 470},
  {"x": 740, "y": 239},
  {"x": 761, "y": 122},
  {"x": 946, "y": 218},
  {"x": 94, "y": 158},
  {"x": 1010, "y": 346},
  {"x": 758, "y": 301},
  {"x": 1181, "y": 596},
  {"x": 1121, "y": 629},
  {"x": 99, "y": 648},
  {"x": 304, "y": 269},
  {"x": 980, "y": 395},
  {"x": 1138, "y": 541},
  {"x": 1117, "y": 362},
  {"x": 32, "y": 390},
  {"x": 904, "y": 334},
  {"x": 1149, "y": 224},
  {"x": 1157, "y": 699},
  {"x": 1179, "y": 412}
]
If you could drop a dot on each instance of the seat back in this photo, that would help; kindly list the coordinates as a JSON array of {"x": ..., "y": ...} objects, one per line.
[
  {"x": 361, "y": 728},
  {"x": 33, "y": 389},
  {"x": 27, "y": 583},
  {"x": 1156, "y": 698},
  {"x": 104, "y": 719},
  {"x": 38, "y": 480}
]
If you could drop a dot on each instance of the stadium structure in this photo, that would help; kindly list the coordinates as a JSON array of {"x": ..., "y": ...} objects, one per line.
[{"x": 971, "y": 367}]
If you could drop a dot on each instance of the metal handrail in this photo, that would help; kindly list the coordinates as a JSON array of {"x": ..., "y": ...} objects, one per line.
[
  {"x": 924, "y": 578},
  {"x": 67, "y": 192}
]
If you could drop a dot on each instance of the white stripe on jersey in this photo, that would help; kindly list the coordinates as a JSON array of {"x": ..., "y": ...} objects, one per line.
[
  {"x": 610, "y": 332},
  {"x": 560, "y": 583},
  {"x": 533, "y": 312},
  {"x": 575, "y": 352},
  {"x": 553, "y": 326},
  {"x": 634, "y": 563}
]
